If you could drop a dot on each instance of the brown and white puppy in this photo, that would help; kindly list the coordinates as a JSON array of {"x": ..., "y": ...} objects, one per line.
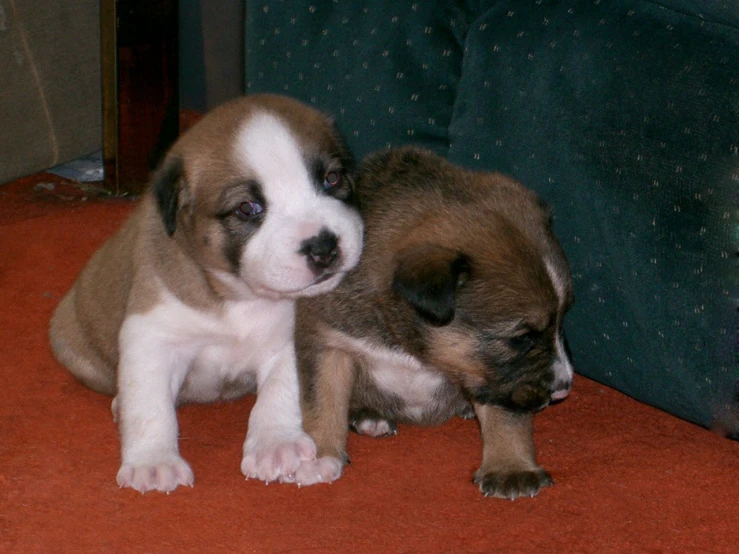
[
  {"x": 458, "y": 299},
  {"x": 193, "y": 299}
]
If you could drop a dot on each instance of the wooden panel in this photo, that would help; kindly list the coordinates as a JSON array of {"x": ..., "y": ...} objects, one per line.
[{"x": 139, "y": 41}]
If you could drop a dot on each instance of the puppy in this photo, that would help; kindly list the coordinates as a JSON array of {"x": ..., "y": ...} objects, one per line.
[
  {"x": 458, "y": 300},
  {"x": 193, "y": 299}
]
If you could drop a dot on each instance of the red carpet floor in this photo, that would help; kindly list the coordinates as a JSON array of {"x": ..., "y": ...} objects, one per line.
[{"x": 629, "y": 478}]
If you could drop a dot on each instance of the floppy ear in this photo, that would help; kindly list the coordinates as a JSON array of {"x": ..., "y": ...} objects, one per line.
[
  {"x": 166, "y": 182},
  {"x": 427, "y": 277}
]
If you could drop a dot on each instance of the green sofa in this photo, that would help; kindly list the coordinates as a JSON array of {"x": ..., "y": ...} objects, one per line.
[{"x": 622, "y": 114}]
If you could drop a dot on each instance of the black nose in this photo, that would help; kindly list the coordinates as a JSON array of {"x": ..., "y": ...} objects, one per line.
[{"x": 322, "y": 251}]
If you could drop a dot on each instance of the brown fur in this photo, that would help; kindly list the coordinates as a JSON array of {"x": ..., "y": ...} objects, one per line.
[
  {"x": 334, "y": 386},
  {"x": 453, "y": 274},
  {"x": 508, "y": 455}
]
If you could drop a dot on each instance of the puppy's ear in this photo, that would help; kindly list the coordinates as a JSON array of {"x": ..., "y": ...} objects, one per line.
[
  {"x": 166, "y": 183},
  {"x": 428, "y": 277}
]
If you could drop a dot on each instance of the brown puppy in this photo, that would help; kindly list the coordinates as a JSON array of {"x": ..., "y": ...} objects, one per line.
[{"x": 458, "y": 298}]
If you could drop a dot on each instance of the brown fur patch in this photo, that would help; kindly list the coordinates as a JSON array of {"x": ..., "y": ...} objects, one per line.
[
  {"x": 507, "y": 440},
  {"x": 325, "y": 419},
  {"x": 456, "y": 353}
]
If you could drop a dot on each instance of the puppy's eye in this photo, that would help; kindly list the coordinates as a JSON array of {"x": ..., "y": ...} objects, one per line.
[
  {"x": 332, "y": 179},
  {"x": 248, "y": 209},
  {"x": 523, "y": 343}
]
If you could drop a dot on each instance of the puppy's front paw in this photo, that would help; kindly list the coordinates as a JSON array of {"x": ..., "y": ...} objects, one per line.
[
  {"x": 322, "y": 470},
  {"x": 163, "y": 471},
  {"x": 277, "y": 458},
  {"x": 513, "y": 484}
]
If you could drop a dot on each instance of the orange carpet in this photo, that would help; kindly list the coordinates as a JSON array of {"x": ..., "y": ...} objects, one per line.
[{"x": 629, "y": 478}]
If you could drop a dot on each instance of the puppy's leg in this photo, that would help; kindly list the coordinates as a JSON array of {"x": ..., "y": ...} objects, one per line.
[
  {"x": 276, "y": 445},
  {"x": 326, "y": 414},
  {"x": 150, "y": 375},
  {"x": 509, "y": 468}
]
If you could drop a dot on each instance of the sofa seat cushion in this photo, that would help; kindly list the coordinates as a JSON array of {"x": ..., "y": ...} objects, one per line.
[{"x": 388, "y": 74}]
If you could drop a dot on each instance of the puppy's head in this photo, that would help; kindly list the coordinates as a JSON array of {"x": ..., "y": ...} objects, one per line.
[
  {"x": 482, "y": 284},
  {"x": 261, "y": 194}
]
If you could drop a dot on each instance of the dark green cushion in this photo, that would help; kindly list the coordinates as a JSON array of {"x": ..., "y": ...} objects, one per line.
[
  {"x": 389, "y": 76},
  {"x": 623, "y": 115}
]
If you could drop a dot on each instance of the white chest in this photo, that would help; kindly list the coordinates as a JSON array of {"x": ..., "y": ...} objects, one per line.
[
  {"x": 402, "y": 375},
  {"x": 224, "y": 352}
]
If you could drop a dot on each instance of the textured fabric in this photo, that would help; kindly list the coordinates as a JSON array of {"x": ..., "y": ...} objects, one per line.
[
  {"x": 623, "y": 115},
  {"x": 50, "y": 106},
  {"x": 388, "y": 75},
  {"x": 629, "y": 478}
]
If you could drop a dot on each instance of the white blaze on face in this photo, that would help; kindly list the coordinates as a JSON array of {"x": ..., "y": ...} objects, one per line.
[
  {"x": 296, "y": 210},
  {"x": 562, "y": 366}
]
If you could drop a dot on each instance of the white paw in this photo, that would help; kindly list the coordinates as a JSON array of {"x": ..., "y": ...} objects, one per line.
[
  {"x": 322, "y": 470},
  {"x": 277, "y": 458},
  {"x": 375, "y": 428},
  {"x": 163, "y": 472}
]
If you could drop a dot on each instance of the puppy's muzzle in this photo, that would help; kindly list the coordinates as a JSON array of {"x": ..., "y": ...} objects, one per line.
[
  {"x": 523, "y": 397},
  {"x": 321, "y": 251},
  {"x": 561, "y": 390}
]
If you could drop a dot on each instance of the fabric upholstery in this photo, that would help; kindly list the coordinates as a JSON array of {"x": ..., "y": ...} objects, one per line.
[{"x": 389, "y": 76}]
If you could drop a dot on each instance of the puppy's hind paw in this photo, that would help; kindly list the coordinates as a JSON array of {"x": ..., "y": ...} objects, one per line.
[
  {"x": 374, "y": 427},
  {"x": 323, "y": 470},
  {"x": 367, "y": 422},
  {"x": 162, "y": 473},
  {"x": 277, "y": 458}
]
